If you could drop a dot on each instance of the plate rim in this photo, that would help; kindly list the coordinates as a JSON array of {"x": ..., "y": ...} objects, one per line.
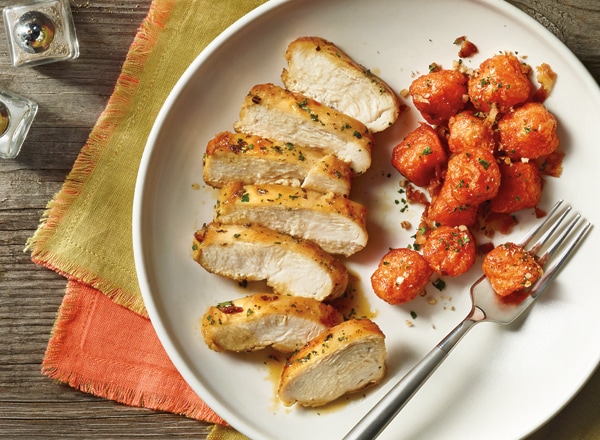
[{"x": 141, "y": 181}]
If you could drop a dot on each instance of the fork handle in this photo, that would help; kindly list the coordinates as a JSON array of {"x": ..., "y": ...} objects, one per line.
[{"x": 376, "y": 420}]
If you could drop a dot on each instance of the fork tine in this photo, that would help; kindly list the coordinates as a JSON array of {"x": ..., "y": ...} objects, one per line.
[
  {"x": 552, "y": 270},
  {"x": 541, "y": 241},
  {"x": 485, "y": 300},
  {"x": 537, "y": 229},
  {"x": 558, "y": 241}
]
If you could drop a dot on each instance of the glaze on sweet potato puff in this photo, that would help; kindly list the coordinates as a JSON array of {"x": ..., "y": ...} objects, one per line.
[
  {"x": 501, "y": 82},
  {"x": 520, "y": 187},
  {"x": 510, "y": 268},
  {"x": 528, "y": 132},
  {"x": 473, "y": 175},
  {"x": 419, "y": 155},
  {"x": 465, "y": 130},
  {"x": 446, "y": 210},
  {"x": 400, "y": 276},
  {"x": 439, "y": 95},
  {"x": 450, "y": 250}
]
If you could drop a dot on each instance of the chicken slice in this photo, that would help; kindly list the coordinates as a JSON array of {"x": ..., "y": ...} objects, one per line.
[
  {"x": 320, "y": 70},
  {"x": 347, "y": 358},
  {"x": 290, "y": 266},
  {"x": 262, "y": 320},
  {"x": 255, "y": 160},
  {"x": 336, "y": 223},
  {"x": 275, "y": 113}
]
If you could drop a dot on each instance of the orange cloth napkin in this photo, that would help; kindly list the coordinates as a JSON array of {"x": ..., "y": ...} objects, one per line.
[
  {"x": 106, "y": 350},
  {"x": 102, "y": 342}
]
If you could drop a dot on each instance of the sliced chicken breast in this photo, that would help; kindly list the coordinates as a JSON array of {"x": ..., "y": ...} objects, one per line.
[
  {"x": 320, "y": 70},
  {"x": 285, "y": 323},
  {"x": 329, "y": 174},
  {"x": 255, "y": 160},
  {"x": 289, "y": 265},
  {"x": 347, "y": 358},
  {"x": 275, "y": 113},
  {"x": 334, "y": 222}
]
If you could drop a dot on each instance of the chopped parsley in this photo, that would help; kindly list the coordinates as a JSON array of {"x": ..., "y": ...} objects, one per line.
[
  {"x": 439, "y": 284},
  {"x": 484, "y": 163}
]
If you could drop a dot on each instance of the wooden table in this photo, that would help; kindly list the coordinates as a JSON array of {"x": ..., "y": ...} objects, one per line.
[{"x": 71, "y": 97}]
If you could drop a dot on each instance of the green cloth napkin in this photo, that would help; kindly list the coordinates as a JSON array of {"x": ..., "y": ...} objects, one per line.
[{"x": 86, "y": 232}]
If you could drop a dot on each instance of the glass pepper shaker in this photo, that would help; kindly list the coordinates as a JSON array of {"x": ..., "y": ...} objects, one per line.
[
  {"x": 16, "y": 115},
  {"x": 40, "y": 31}
]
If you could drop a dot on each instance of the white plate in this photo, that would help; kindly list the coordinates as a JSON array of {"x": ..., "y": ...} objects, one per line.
[{"x": 500, "y": 382}]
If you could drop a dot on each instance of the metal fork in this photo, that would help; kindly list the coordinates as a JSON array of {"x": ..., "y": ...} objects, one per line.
[{"x": 552, "y": 246}]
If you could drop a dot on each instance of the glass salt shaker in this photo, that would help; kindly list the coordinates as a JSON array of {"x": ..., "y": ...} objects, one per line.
[
  {"x": 40, "y": 31},
  {"x": 16, "y": 116}
]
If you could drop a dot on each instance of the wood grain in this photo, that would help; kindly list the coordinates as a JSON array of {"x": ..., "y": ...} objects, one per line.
[{"x": 71, "y": 96}]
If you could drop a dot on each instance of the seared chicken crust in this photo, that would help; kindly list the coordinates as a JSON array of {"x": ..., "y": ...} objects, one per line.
[
  {"x": 256, "y": 160},
  {"x": 347, "y": 358},
  {"x": 320, "y": 70},
  {"x": 276, "y": 113},
  {"x": 262, "y": 320},
  {"x": 289, "y": 265},
  {"x": 334, "y": 222}
]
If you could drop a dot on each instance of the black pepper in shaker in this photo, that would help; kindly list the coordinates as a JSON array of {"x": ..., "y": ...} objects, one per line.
[
  {"x": 40, "y": 31},
  {"x": 34, "y": 31}
]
